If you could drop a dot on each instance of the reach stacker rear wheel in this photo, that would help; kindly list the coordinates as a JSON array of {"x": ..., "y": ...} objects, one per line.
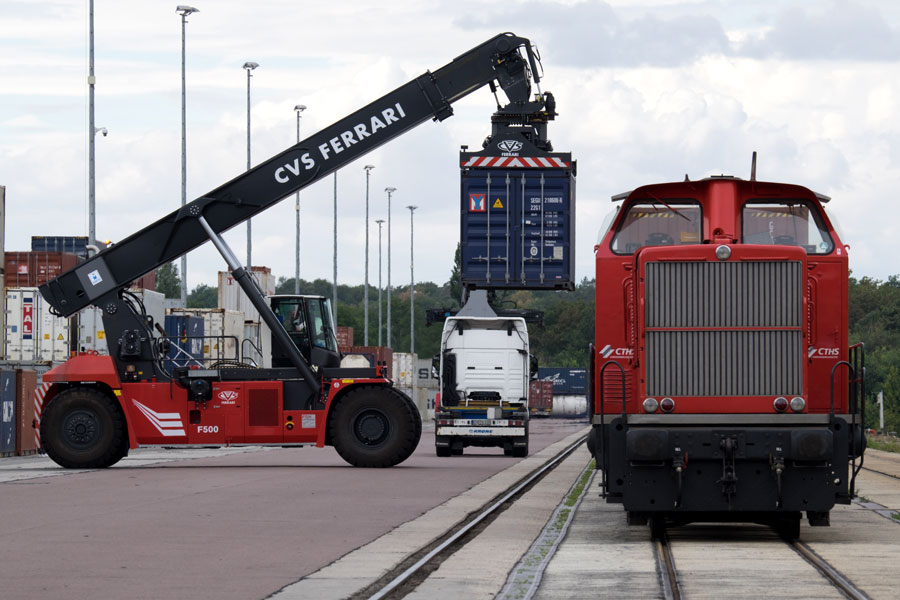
[
  {"x": 375, "y": 427},
  {"x": 83, "y": 428}
]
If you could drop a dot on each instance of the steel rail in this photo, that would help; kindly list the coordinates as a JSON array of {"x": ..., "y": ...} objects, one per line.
[
  {"x": 825, "y": 569},
  {"x": 671, "y": 585},
  {"x": 881, "y": 472},
  {"x": 511, "y": 493}
]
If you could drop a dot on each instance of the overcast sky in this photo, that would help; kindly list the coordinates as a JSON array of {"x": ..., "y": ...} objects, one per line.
[{"x": 647, "y": 92}]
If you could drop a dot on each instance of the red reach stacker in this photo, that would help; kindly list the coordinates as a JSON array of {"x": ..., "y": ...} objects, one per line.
[
  {"x": 92, "y": 409},
  {"x": 724, "y": 387}
]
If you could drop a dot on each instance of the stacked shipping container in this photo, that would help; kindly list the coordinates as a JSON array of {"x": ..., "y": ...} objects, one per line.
[
  {"x": 31, "y": 269},
  {"x": 17, "y": 411}
]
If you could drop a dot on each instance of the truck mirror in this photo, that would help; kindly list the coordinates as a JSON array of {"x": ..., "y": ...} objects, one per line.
[{"x": 533, "y": 366}]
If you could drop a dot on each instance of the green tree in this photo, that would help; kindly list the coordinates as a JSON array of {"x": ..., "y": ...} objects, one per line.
[
  {"x": 203, "y": 296},
  {"x": 167, "y": 281},
  {"x": 456, "y": 276}
]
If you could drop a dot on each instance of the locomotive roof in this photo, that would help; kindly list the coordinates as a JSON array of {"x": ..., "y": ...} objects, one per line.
[{"x": 762, "y": 187}]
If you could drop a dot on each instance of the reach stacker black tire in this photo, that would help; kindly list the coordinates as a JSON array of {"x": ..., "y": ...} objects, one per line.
[
  {"x": 375, "y": 427},
  {"x": 83, "y": 428}
]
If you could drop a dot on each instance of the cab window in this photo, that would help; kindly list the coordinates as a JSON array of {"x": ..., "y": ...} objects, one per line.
[
  {"x": 658, "y": 223},
  {"x": 320, "y": 317},
  {"x": 785, "y": 223},
  {"x": 291, "y": 313}
]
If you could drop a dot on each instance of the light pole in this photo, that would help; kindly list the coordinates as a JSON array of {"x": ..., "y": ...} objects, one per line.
[
  {"x": 412, "y": 284},
  {"x": 380, "y": 223},
  {"x": 368, "y": 169},
  {"x": 334, "y": 284},
  {"x": 92, "y": 131},
  {"x": 389, "y": 190},
  {"x": 299, "y": 109},
  {"x": 249, "y": 66},
  {"x": 184, "y": 11}
]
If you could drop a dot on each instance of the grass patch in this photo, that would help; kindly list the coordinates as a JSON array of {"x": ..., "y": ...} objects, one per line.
[
  {"x": 573, "y": 496},
  {"x": 884, "y": 442}
]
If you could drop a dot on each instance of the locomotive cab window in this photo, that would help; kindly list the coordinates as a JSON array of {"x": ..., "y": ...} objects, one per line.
[
  {"x": 657, "y": 223},
  {"x": 785, "y": 223}
]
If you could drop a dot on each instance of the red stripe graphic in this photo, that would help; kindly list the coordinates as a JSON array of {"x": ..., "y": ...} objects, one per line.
[{"x": 527, "y": 162}]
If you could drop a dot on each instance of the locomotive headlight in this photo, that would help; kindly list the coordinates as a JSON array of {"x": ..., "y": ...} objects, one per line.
[
  {"x": 723, "y": 252},
  {"x": 798, "y": 404},
  {"x": 780, "y": 404},
  {"x": 650, "y": 405},
  {"x": 667, "y": 405}
]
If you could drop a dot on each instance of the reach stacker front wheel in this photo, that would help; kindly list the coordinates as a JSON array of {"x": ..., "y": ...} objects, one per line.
[
  {"x": 375, "y": 427},
  {"x": 83, "y": 428}
]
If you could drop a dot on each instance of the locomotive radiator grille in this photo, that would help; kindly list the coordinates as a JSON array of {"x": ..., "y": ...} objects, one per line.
[{"x": 724, "y": 328}]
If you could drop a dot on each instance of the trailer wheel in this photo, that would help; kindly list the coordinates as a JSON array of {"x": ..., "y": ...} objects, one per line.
[
  {"x": 83, "y": 428},
  {"x": 374, "y": 427}
]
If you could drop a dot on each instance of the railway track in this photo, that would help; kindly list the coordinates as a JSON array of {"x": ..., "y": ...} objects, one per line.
[
  {"x": 671, "y": 583},
  {"x": 871, "y": 470},
  {"x": 407, "y": 576}
]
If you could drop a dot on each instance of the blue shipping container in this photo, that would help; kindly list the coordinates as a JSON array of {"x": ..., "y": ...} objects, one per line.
[
  {"x": 60, "y": 243},
  {"x": 7, "y": 412},
  {"x": 185, "y": 332},
  {"x": 566, "y": 380},
  {"x": 518, "y": 228}
]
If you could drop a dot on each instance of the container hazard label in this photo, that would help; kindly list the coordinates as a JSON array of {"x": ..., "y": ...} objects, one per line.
[
  {"x": 477, "y": 202},
  {"x": 497, "y": 203}
]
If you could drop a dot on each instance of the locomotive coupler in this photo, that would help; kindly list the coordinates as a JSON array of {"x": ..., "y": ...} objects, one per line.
[
  {"x": 729, "y": 473},
  {"x": 679, "y": 462},
  {"x": 776, "y": 461}
]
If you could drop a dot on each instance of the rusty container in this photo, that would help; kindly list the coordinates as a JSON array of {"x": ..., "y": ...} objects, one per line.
[
  {"x": 26, "y": 383},
  {"x": 344, "y": 337},
  {"x": 33, "y": 269}
]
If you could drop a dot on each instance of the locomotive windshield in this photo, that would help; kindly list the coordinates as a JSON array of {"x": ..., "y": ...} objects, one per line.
[
  {"x": 658, "y": 223},
  {"x": 785, "y": 223}
]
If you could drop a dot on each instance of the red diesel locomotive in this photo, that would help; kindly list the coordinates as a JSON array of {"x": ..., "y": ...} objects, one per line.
[{"x": 724, "y": 388}]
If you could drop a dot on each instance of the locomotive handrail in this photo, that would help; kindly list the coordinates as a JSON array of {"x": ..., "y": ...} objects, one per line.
[
  {"x": 852, "y": 377},
  {"x": 603, "y": 454},
  {"x": 858, "y": 357}
]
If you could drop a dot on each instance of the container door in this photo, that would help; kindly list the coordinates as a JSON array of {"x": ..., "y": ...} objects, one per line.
[
  {"x": 547, "y": 235},
  {"x": 489, "y": 227},
  {"x": 7, "y": 412}
]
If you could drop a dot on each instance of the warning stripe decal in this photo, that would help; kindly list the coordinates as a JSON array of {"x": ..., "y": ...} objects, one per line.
[
  {"x": 515, "y": 162},
  {"x": 39, "y": 393}
]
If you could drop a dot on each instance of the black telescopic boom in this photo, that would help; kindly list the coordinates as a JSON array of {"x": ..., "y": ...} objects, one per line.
[{"x": 426, "y": 97}]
